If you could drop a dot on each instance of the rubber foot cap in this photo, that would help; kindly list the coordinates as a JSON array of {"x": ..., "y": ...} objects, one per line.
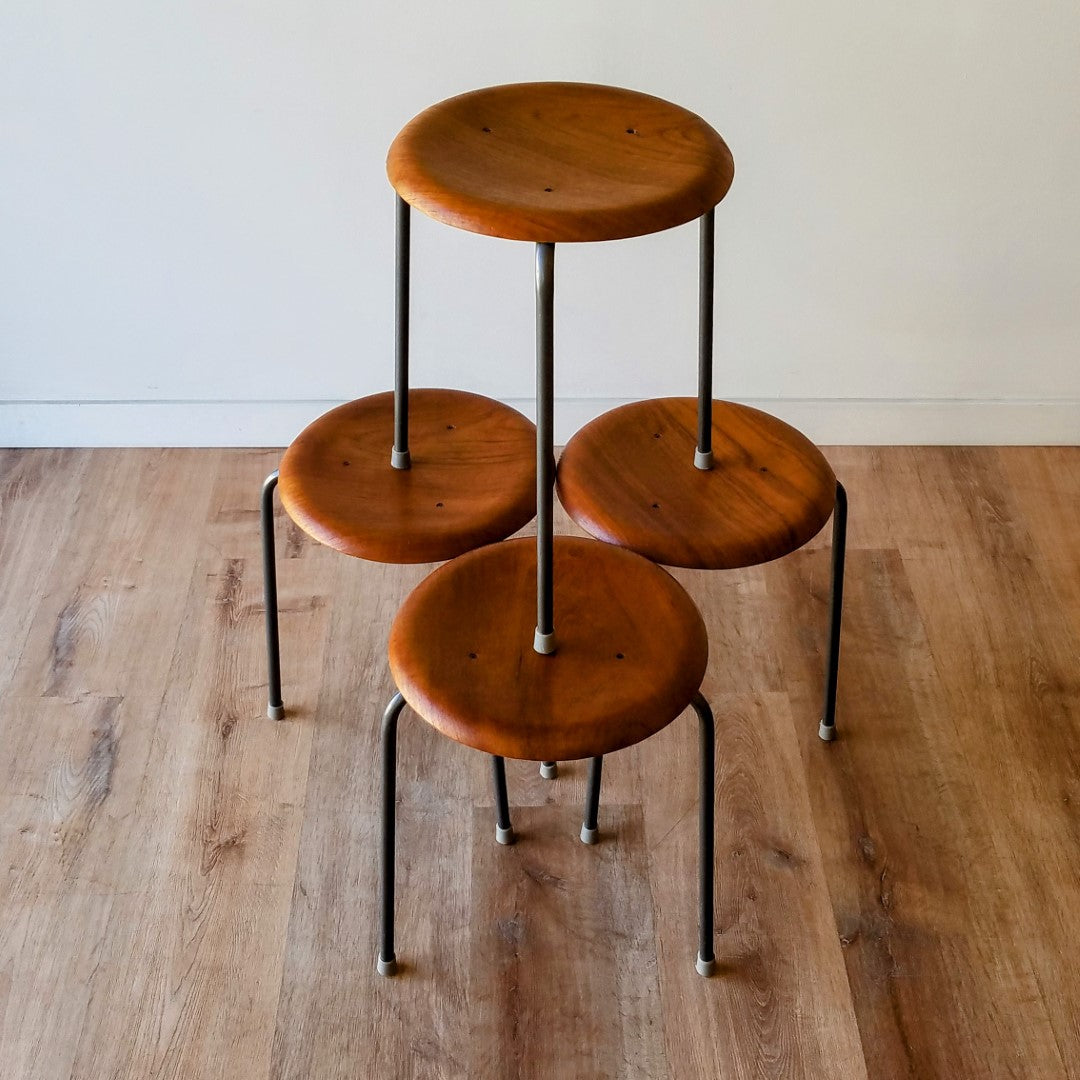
[
  {"x": 549, "y": 770},
  {"x": 400, "y": 459},
  {"x": 544, "y": 643},
  {"x": 826, "y": 732},
  {"x": 705, "y": 968},
  {"x": 275, "y": 712},
  {"x": 589, "y": 836},
  {"x": 504, "y": 836},
  {"x": 386, "y": 967},
  {"x": 703, "y": 460}
]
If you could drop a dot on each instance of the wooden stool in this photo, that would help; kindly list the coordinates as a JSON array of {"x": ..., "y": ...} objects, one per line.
[
  {"x": 551, "y": 163},
  {"x": 632, "y": 654},
  {"x": 630, "y": 478},
  {"x": 471, "y": 481}
]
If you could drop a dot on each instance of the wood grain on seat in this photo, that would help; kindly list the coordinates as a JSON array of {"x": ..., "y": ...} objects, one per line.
[
  {"x": 629, "y": 478},
  {"x": 560, "y": 162},
  {"x": 631, "y": 651},
  {"x": 472, "y": 481}
]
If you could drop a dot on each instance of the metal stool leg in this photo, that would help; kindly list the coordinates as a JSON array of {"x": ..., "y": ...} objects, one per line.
[
  {"x": 274, "y": 708},
  {"x": 589, "y": 832},
  {"x": 827, "y": 727},
  {"x": 387, "y": 964},
  {"x": 706, "y": 960},
  {"x": 544, "y": 638},
  {"x": 549, "y": 769},
  {"x": 703, "y": 455},
  {"x": 504, "y": 831},
  {"x": 399, "y": 456}
]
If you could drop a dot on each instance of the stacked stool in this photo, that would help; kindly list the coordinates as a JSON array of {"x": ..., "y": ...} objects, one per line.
[{"x": 566, "y": 648}]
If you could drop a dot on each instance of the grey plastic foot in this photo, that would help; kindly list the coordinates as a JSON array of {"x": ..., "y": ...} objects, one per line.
[
  {"x": 275, "y": 712},
  {"x": 387, "y": 967},
  {"x": 703, "y": 460},
  {"x": 400, "y": 459},
  {"x": 549, "y": 772},
  {"x": 504, "y": 836},
  {"x": 589, "y": 836},
  {"x": 544, "y": 643},
  {"x": 705, "y": 968},
  {"x": 826, "y": 732}
]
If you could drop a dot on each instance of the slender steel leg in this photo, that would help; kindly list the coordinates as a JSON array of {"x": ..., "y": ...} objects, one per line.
[
  {"x": 274, "y": 707},
  {"x": 589, "y": 832},
  {"x": 827, "y": 727},
  {"x": 544, "y": 639},
  {"x": 387, "y": 964},
  {"x": 399, "y": 457},
  {"x": 706, "y": 960},
  {"x": 504, "y": 831},
  {"x": 549, "y": 769},
  {"x": 703, "y": 456}
]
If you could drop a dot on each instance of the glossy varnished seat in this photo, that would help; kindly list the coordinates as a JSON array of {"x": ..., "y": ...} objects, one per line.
[
  {"x": 629, "y": 478},
  {"x": 554, "y": 162},
  {"x": 472, "y": 480},
  {"x": 631, "y": 655}
]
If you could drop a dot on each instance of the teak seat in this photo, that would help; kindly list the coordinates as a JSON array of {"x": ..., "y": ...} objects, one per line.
[
  {"x": 632, "y": 651},
  {"x": 472, "y": 480},
  {"x": 628, "y": 478},
  {"x": 469, "y": 480},
  {"x": 554, "y": 162}
]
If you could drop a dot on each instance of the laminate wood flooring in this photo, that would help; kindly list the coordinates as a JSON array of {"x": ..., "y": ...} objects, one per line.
[{"x": 189, "y": 889}]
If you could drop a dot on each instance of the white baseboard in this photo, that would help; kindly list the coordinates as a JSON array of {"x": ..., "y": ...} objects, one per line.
[{"x": 828, "y": 421}]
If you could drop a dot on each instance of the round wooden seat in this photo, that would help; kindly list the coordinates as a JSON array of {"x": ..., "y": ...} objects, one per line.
[
  {"x": 629, "y": 478},
  {"x": 472, "y": 481},
  {"x": 556, "y": 162},
  {"x": 631, "y": 651}
]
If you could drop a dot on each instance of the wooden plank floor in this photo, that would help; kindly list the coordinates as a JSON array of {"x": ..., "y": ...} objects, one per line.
[{"x": 189, "y": 889}]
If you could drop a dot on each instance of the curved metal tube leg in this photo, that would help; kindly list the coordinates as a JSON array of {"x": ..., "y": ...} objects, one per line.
[
  {"x": 274, "y": 707},
  {"x": 387, "y": 964},
  {"x": 589, "y": 832},
  {"x": 504, "y": 831},
  {"x": 399, "y": 457},
  {"x": 703, "y": 455},
  {"x": 544, "y": 638},
  {"x": 827, "y": 727},
  {"x": 549, "y": 769},
  {"x": 706, "y": 960}
]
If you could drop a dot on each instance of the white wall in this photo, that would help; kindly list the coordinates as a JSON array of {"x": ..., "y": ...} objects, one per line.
[{"x": 196, "y": 232}]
